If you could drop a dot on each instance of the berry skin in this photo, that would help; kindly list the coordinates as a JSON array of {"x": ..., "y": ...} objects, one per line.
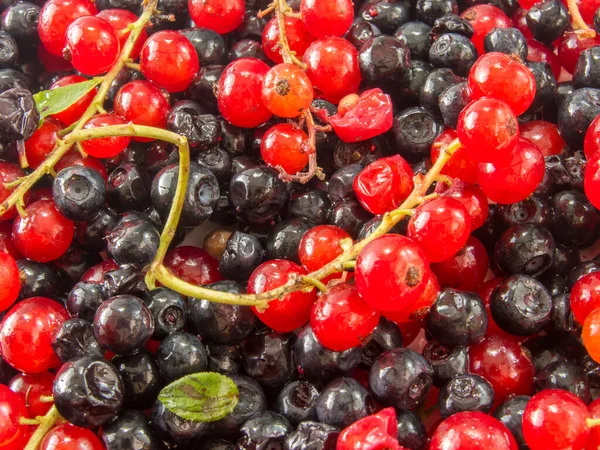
[
  {"x": 298, "y": 38},
  {"x": 465, "y": 270},
  {"x": 332, "y": 67},
  {"x": 320, "y": 245},
  {"x": 488, "y": 129},
  {"x": 30, "y": 388},
  {"x": 287, "y": 313},
  {"x": 9, "y": 173},
  {"x": 555, "y": 419},
  {"x": 107, "y": 147},
  {"x": 12, "y": 409},
  {"x": 42, "y": 142},
  {"x": 515, "y": 180},
  {"x": 78, "y": 192},
  {"x": 341, "y": 319},
  {"x": 391, "y": 273},
  {"x": 70, "y": 437},
  {"x": 287, "y": 91},
  {"x": 490, "y": 77},
  {"x": 76, "y": 110},
  {"x": 545, "y": 136},
  {"x": 221, "y": 16},
  {"x": 441, "y": 227},
  {"x": 42, "y": 234},
  {"x": 484, "y": 18},
  {"x": 585, "y": 296},
  {"x": 120, "y": 19},
  {"x": 31, "y": 324},
  {"x": 240, "y": 93},
  {"x": 284, "y": 145},
  {"x": 169, "y": 60},
  {"x": 56, "y": 16},
  {"x": 10, "y": 283},
  {"x": 377, "y": 431},
  {"x": 92, "y": 45},
  {"x": 324, "y": 19},
  {"x": 384, "y": 184}
]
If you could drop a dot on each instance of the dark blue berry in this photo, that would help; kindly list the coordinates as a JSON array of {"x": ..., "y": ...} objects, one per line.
[
  {"x": 266, "y": 429},
  {"x": 267, "y": 357},
  {"x": 181, "y": 354},
  {"x": 141, "y": 378},
  {"x": 74, "y": 339},
  {"x": 129, "y": 188},
  {"x": 446, "y": 361},
  {"x": 133, "y": 242},
  {"x": 84, "y": 299},
  {"x": 297, "y": 401},
  {"x": 465, "y": 393},
  {"x": 510, "y": 413},
  {"x": 506, "y": 40},
  {"x": 168, "y": 309},
  {"x": 344, "y": 401},
  {"x": 130, "y": 430},
  {"x": 78, "y": 192},
  {"x": 525, "y": 249}
]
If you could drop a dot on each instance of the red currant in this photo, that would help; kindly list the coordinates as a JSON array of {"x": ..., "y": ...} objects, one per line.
[
  {"x": 384, "y": 184},
  {"x": 76, "y": 110},
  {"x": 120, "y": 19},
  {"x": 192, "y": 264},
  {"x": 473, "y": 199},
  {"x": 221, "y": 16},
  {"x": 418, "y": 310},
  {"x": 6, "y": 244},
  {"x": 392, "y": 273},
  {"x": 92, "y": 45},
  {"x": 30, "y": 388},
  {"x": 544, "y": 135},
  {"x": 297, "y": 36},
  {"x": 519, "y": 20},
  {"x": 240, "y": 93},
  {"x": 594, "y": 441},
  {"x": 461, "y": 165},
  {"x": 341, "y": 319},
  {"x": 571, "y": 46},
  {"x": 107, "y": 147},
  {"x": 321, "y": 245},
  {"x": 484, "y": 18},
  {"x": 30, "y": 325},
  {"x": 587, "y": 8},
  {"x": 95, "y": 275},
  {"x": 53, "y": 63},
  {"x": 466, "y": 270},
  {"x": 12, "y": 409},
  {"x": 70, "y": 437},
  {"x": 286, "y": 91},
  {"x": 42, "y": 234},
  {"x": 585, "y": 296},
  {"x": 8, "y": 173},
  {"x": 284, "y": 145},
  {"x": 591, "y": 181},
  {"x": 10, "y": 282},
  {"x": 56, "y": 16},
  {"x": 375, "y": 432},
  {"x": 330, "y": 18},
  {"x": 591, "y": 334},
  {"x": 591, "y": 144},
  {"x": 41, "y": 143},
  {"x": 538, "y": 52},
  {"x": 289, "y": 312}
]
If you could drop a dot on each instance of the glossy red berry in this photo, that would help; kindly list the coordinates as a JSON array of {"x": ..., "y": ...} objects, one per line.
[
  {"x": 169, "y": 60},
  {"x": 591, "y": 144},
  {"x": 461, "y": 165},
  {"x": 384, "y": 184},
  {"x": 391, "y": 273},
  {"x": 6, "y": 244},
  {"x": 284, "y": 145},
  {"x": 473, "y": 199},
  {"x": 488, "y": 129},
  {"x": 587, "y": 8},
  {"x": 544, "y": 135},
  {"x": 10, "y": 282},
  {"x": 30, "y": 388},
  {"x": 240, "y": 93},
  {"x": 519, "y": 19},
  {"x": 497, "y": 75},
  {"x": 30, "y": 325},
  {"x": 594, "y": 440},
  {"x": 56, "y": 16},
  {"x": 297, "y": 36},
  {"x": 465, "y": 270},
  {"x": 515, "y": 180},
  {"x": 418, "y": 310},
  {"x": 41, "y": 143},
  {"x": 585, "y": 296},
  {"x": 70, "y": 437},
  {"x": 484, "y": 18},
  {"x": 555, "y": 419},
  {"x": 321, "y": 245},
  {"x": 120, "y": 19},
  {"x": 287, "y": 91},
  {"x": 332, "y": 66},
  {"x": 74, "y": 112},
  {"x": 92, "y": 45},
  {"x": 341, "y": 319},
  {"x": 8, "y": 173},
  {"x": 375, "y": 432},
  {"x": 591, "y": 181},
  {"x": 105, "y": 147},
  {"x": 221, "y": 16},
  {"x": 289, "y": 312},
  {"x": 330, "y": 18},
  {"x": 441, "y": 227},
  {"x": 42, "y": 234},
  {"x": 192, "y": 264},
  {"x": 472, "y": 430},
  {"x": 12, "y": 409},
  {"x": 95, "y": 275},
  {"x": 570, "y": 48},
  {"x": 590, "y": 334}
]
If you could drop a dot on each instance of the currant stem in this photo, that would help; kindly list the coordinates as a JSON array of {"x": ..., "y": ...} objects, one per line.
[
  {"x": 316, "y": 283},
  {"x": 584, "y": 31},
  {"x": 27, "y": 421},
  {"x": 593, "y": 422},
  {"x": 281, "y": 8},
  {"x": 46, "y": 423}
]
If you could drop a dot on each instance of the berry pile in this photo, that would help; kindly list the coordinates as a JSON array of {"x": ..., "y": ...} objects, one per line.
[{"x": 301, "y": 225}]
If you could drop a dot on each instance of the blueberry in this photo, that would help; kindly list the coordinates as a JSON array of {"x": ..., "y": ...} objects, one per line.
[
  {"x": 75, "y": 339},
  {"x": 575, "y": 114},
  {"x": 128, "y": 188},
  {"x": 575, "y": 218},
  {"x": 130, "y": 430},
  {"x": 384, "y": 60},
  {"x": 266, "y": 429},
  {"x": 188, "y": 119},
  {"x": 201, "y": 88},
  {"x": 226, "y": 359},
  {"x": 344, "y": 401},
  {"x": 126, "y": 280},
  {"x": 181, "y": 354},
  {"x": 533, "y": 210},
  {"x": 168, "y": 310},
  {"x": 84, "y": 299},
  {"x": 123, "y": 324},
  {"x": 20, "y": 21},
  {"x": 548, "y": 20},
  {"x": 401, "y": 378},
  {"x": 267, "y": 357},
  {"x": 565, "y": 258},
  {"x": 243, "y": 253},
  {"x": 311, "y": 205},
  {"x": 446, "y": 362},
  {"x": 285, "y": 237},
  {"x": 243, "y": 162},
  {"x": 566, "y": 376},
  {"x": 562, "y": 321},
  {"x": 543, "y": 351},
  {"x": 78, "y": 192},
  {"x": 312, "y": 436},
  {"x": 566, "y": 171},
  {"x": 506, "y": 40},
  {"x": 96, "y": 227},
  {"x": 88, "y": 391},
  {"x": 429, "y": 11},
  {"x": 411, "y": 431},
  {"x": 454, "y": 51},
  {"x": 141, "y": 378},
  {"x": 416, "y": 37},
  {"x": 297, "y": 401},
  {"x": 510, "y": 413},
  {"x": 37, "y": 280},
  {"x": 247, "y": 48},
  {"x": 451, "y": 23},
  {"x": 218, "y": 161},
  {"x": 416, "y": 76},
  {"x": 361, "y": 32},
  {"x": 413, "y": 131},
  {"x": 465, "y": 392},
  {"x": 349, "y": 215},
  {"x": 526, "y": 249},
  {"x": 545, "y": 86},
  {"x": 9, "y": 51},
  {"x": 581, "y": 270},
  {"x": 386, "y": 336},
  {"x": 167, "y": 425},
  {"x": 437, "y": 81},
  {"x": 209, "y": 45},
  {"x": 341, "y": 182},
  {"x": 133, "y": 242},
  {"x": 452, "y": 101},
  {"x": 13, "y": 79},
  {"x": 385, "y": 15}
]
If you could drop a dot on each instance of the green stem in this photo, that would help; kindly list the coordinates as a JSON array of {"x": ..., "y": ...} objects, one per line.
[{"x": 46, "y": 424}]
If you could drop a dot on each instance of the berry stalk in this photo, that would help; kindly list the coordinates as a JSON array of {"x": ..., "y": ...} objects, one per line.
[
  {"x": 47, "y": 422},
  {"x": 583, "y": 30}
]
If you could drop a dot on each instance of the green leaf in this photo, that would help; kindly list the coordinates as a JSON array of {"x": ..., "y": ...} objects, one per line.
[
  {"x": 59, "y": 99},
  {"x": 201, "y": 397}
]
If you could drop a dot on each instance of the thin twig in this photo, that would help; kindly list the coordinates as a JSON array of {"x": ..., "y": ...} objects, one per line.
[{"x": 582, "y": 29}]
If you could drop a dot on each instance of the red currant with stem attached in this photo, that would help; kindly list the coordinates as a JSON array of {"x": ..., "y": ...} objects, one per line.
[
  {"x": 465, "y": 270},
  {"x": 488, "y": 129},
  {"x": 484, "y": 18},
  {"x": 41, "y": 143},
  {"x": 391, "y": 273},
  {"x": 499, "y": 76},
  {"x": 70, "y": 437},
  {"x": 56, "y": 16},
  {"x": 30, "y": 388},
  {"x": 142, "y": 103},
  {"x": 441, "y": 227},
  {"x": 92, "y": 45},
  {"x": 419, "y": 309},
  {"x": 285, "y": 145},
  {"x": 240, "y": 93},
  {"x": 74, "y": 112},
  {"x": 375, "y": 432},
  {"x": 6, "y": 244},
  {"x": 221, "y": 16},
  {"x": 289, "y": 312},
  {"x": 341, "y": 319},
  {"x": 287, "y": 91},
  {"x": 332, "y": 66},
  {"x": 330, "y": 18},
  {"x": 384, "y": 184},
  {"x": 544, "y": 135},
  {"x": 74, "y": 158},
  {"x": 515, "y": 180},
  {"x": 321, "y": 245},
  {"x": 169, "y": 60},
  {"x": 555, "y": 419},
  {"x": 296, "y": 33},
  {"x": 472, "y": 430},
  {"x": 192, "y": 264},
  {"x": 538, "y": 52},
  {"x": 461, "y": 165},
  {"x": 473, "y": 199},
  {"x": 585, "y": 296},
  {"x": 42, "y": 234},
  {"x": 571, "y": 47},
  {"x": 30, "y": 325},
  {"x": 591, "y": 143},
  {"x": 120, "y": 19},
  {"x": 12, "y": 409},
  {"x": 10, "y": 282},
  {"x": 591, "y": 334},
  {"x": 8, "y": 173},
  {"x": 504, "y": 364},
  {"x": 591, "y": 181},
  {"x": 107, "y": 147}
]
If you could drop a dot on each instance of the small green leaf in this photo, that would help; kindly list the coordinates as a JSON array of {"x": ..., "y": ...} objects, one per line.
[
  {"x": 201, "y": 397},
  {"x": 59, "y": 99}
]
